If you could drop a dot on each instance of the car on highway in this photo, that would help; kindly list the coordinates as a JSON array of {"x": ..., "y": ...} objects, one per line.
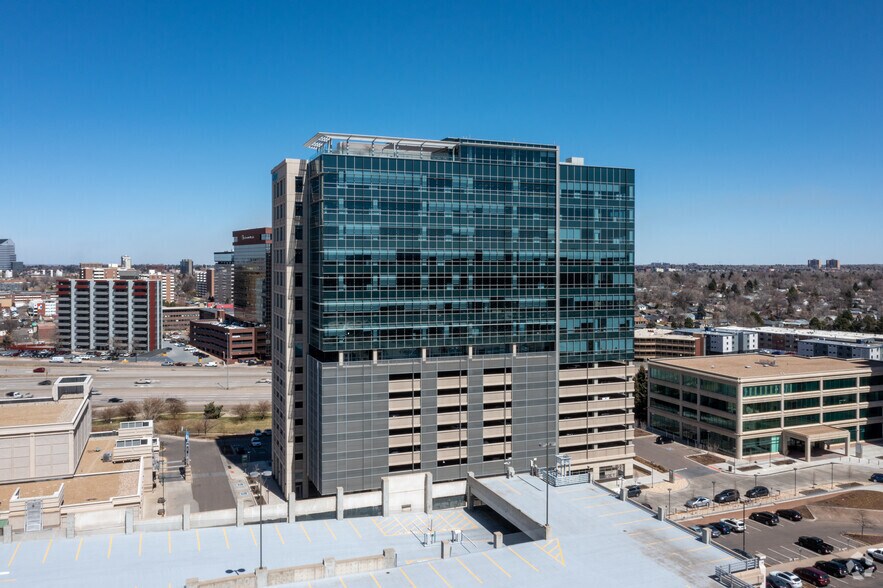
[
  {"x": 211, "y": 364},
  {"x": 758, "y": 492},
  {"x": 876, "y": 477},
  {"x": 45, "y": 383},
  {"x": 663, "y": 440},
  {"x": 876, "y": 554},
  {"x": 697, "y": 502},
  {"x": 793, "y": 581},
  {"x": 815, "y": 544},
  {"x": 144, "y": 381},
  {"x": 832, "y": 568},
  {"x": 738, "y": 525},
  {"x": 114, "y": 400},
  {"x": 813, "y": 576},
  {"x": 728, "y": 495},
  {"x": 104, "y": 369},
  {"x": 765, "y": 517},
  {"x": 14, "y": 394},
  {"x": 255, "y": 442},
  {"x": 263, "y": 381},
  {"x": 167, "y": 363},
  {"x": 180, "y": 364},
  {"x": 790, "y": 514},
  {"x": 39, "y": 370},
  {"x": 722, "y": 528}
]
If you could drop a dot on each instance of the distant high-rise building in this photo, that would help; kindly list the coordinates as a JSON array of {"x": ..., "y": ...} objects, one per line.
[
  {"x": 832, "y": 264},
  {"x": 205, "y": 283},
  {"x": 186, "y": 267},
  {"x": 125, "y": 262},
  {"x": 449, "y": 307},
  {"x": 224, "y": 272},
  {"x": 98, "y": 271},
  {"x": 251, "y": 279},
  {"x": 7, "y": 255},
  {"x": 814, "y": 263},
  {"x": 121, "y": 315}
]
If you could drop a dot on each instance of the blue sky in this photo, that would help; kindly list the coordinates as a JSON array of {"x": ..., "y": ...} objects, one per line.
[{"x": 756, "y": 128}]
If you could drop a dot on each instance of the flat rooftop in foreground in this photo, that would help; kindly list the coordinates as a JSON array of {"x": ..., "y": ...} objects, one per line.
[
  {"x": 757, "y": 367},
  {"x": 39, "y": 411}
]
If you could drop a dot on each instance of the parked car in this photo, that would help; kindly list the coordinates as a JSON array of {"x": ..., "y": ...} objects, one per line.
[
  {"x": 663, "y": 440},
  {"x": 39, "y": 370},
  {"x": 854, "y": 565},
  {"x": 180, "y": 364},
  {"x": 729, "y": 495},
  {"x": 104, "y": 369},
  {"x": 722, "y": 528},
  {"x": 833, "y": 568},
  {"x": 777, "y": 582},
  {"x": 633, "y": 491},
  {"x": 877, "y": 477},
  {"x": 793, "y": 581},
  {"x": 738, "y": 525},
  {"x": 790, "y": 514},
  {"x": 765, "y": 517},
  {"x": 758, "y": 492},
  {"x": 255, "y": 442},
  {"x": 268, "y": 432},
  {"x": 211, "y": 364},
  {"x": 815, "y": 544},
  {"x": 697, "y": 502},
  {"x": 813, "y": 576},
  {"x": 876, "y": 554},
  {"x": 698, "y": 529}
]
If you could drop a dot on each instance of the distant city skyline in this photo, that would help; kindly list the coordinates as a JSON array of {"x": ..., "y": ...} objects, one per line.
[{"x": 752, "y": 142}]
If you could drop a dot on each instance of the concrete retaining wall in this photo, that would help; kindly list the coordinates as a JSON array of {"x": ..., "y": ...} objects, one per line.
[
  {"x": 361, "y": 500},
  {"x": 272, "y": 512},
  {"x": 446, "y": 489},
  {"x": 99, "y": 520},
  {"x": 170, "y": 523},
  {"x": 213, "y": 518},
  {"x": 502, "y": 507},
  {"x": 316, "y": 505}
]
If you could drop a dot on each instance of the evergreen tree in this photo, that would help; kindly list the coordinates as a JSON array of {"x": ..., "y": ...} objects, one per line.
[{"x": 641, "y": 395}]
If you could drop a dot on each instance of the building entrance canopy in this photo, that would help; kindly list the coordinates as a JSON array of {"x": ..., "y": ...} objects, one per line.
[{"x": 813, "y": 434}]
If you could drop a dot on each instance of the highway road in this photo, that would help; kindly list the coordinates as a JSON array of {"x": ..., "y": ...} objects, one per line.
[{"x": 197, "y": 385}]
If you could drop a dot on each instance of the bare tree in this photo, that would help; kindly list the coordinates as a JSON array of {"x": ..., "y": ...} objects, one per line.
[
  {"x": 152, "y": 408},
  {"x": 175, "y": 407},
  {"x": 242, "y": 411},
  {"x": 262, "y": 408},
  {"x": 129, "y": 410},
  {"x": 106, "y": 414}
]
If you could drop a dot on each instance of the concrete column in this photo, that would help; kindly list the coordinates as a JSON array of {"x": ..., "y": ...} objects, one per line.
[
  {"x": 660, "y": 513},
  {"x": 389, "y": 557},
  {"x": 547, "y": 529},
  {"x": 706, "y": 536},
  {"x": 339, "y": 503},
  {"x": 292, "y": 503},
  {"x": 498, "y": 540},
  {"x": 260, "y": 576},
  {"x": 330, "y": 567},
  {"x": 470, "y": 500},
  {"x": 445, "y": 549},
  {"x": 427, "y": 493},
  {"x": 671, "y": 476},
  {"x": 130, "y": 521},
  {"x": 384, "y": 496},
  {"x": 185, "y": 518},
  {"x": 623, "y": 493},
  {"x": 240, "y": 513}
]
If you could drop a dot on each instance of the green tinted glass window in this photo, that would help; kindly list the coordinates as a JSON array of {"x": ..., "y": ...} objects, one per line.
[
  {"x": 839, "y": 399},
  {"x": 757, "y": 407},
  {"x": 839, "y": 383},
  {"x": 811, "y": 386},
  {"x": 768, "y": 390},
  {"x": 717, "y": 387},
  {"x": 799, "y": 403},
  {"x": 839, "y": 415},
  {"x": 804, "y": 419}
]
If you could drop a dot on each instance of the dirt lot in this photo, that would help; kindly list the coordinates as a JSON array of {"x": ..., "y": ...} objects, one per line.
[
  {"x": 642, "y": 433},
  {"x": 864, "y": 499},
  {"x": 706, "y": 458},
  {"x": 650, "y": 464}
]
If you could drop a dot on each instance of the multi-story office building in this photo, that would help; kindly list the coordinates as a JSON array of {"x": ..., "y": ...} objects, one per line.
[
  {"x": 229, "y": 341},
  {"x": 205, "y": 282},
  {"x": 176, "y": 319},
  {"x": 251, "y": 277},
  {"x": 98, "y": 271},
  {"x": 125, "y": 262},
  {"x": 719, "y": 341},
  {"x": 653, "y": 343},
  {"x": 185, "y": 267},
  {"x": 7, "y": 255},
  {"x": 832, "y": 264},
  {"x": 745, "y": 405},
  {"x": 814, "y": 264},
  {"x": 448, "y": 306},
  {"x": 224, "y": 271},
  {"x": 120, "y": 315},
  {"x": 867, "y": 349}
]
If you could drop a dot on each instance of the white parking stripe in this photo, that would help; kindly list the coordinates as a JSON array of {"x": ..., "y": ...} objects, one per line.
[
  {"x": 797, "y": 553},
  {"x": 834, "y": 542},
  {"x": 756, "y": 526},
  {"x": 782, "y": 556}
]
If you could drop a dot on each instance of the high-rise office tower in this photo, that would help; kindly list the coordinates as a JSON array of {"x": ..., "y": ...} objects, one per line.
[
  {"x": 224, "y": 277},
  {"x": 186, "y": 267},
  {"x": 448, "y": 306},
  {"x": 251, "y": 275},
  {"x": 7, "y": 254},
  {"x": 125, "y": 262}
]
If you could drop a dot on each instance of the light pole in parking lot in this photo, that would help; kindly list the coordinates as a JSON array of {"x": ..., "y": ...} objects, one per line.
[
  {"x": 832, "y": 474},
  {"x": 755, "y": 480},
  {"x": 744, "y": 525},
  {"x": 669, "y": 503},
  {"x": 547, "y": 446},
  {"x": 795, "y": 481},
  {"x": 227, "y": 369},
  {"x": 261, "y": 477},
  {"x": 713, "y": 488}
]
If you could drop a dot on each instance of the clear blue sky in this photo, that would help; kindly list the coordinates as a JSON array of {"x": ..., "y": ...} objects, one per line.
[{"x": 756, "y": 128}]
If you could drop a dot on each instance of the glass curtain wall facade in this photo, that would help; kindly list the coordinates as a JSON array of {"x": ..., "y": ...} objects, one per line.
[
  {"x": 433, "y": 313},
  {"x": 251, "y": 281}
]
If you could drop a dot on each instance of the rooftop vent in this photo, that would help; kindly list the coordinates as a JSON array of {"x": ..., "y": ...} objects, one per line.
[{"x": 575, "y": 161}]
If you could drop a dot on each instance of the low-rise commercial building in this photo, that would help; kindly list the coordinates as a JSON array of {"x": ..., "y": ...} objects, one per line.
[
  {"x": 869, "y": 349},
  {"x": 229, "y": 342},
  {"x": 746, "y": 405},
  {"x": 654, "y": 343},
  {"x": 176, "y": 319}
]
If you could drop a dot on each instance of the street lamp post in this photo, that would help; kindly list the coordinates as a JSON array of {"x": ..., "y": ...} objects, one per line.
[
  {"x": 755, "y": 480},
  {"x": 745, "y": 530},
  {"x": 832, "y": 474},
  {"x": 669, "y": 502},
  {"x": 261, "y": 478},
  {"x": 547, "y": 446},
  {"x": 795, "y": 481},
  {"x": 713, "y": 488}
]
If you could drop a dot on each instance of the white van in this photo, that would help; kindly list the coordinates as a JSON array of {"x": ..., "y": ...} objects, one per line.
[
  {"x": 56, "y": 359},
  {"x": 76, "y": 360}
]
